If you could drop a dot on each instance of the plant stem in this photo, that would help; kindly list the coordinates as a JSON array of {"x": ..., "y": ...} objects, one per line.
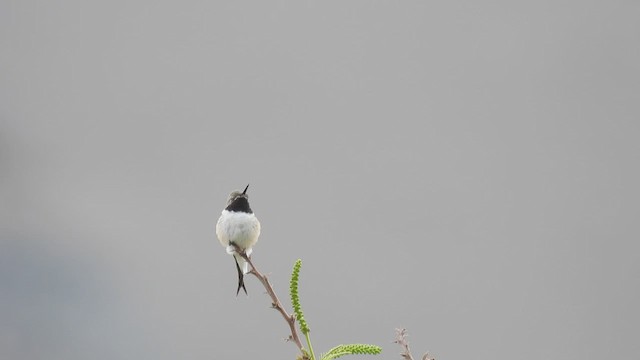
[
  {"x": 401, "y": 339},
  {"x": 313, "y": 356},
  {"x": 276, "y": 304}
]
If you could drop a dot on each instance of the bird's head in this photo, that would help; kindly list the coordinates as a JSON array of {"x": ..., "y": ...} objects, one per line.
[{"x": 237, "y": 194}]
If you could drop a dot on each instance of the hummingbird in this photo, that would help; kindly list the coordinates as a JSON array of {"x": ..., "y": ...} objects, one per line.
[{"x": 238, "y": 229}]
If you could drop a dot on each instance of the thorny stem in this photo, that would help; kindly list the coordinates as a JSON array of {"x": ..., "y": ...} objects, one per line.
[
  {"x": 275, "y": 303},
  {"x": 401, "y": 340}
]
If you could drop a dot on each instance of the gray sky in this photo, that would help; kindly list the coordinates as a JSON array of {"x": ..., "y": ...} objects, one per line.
[{"x": 467, "y": 170}]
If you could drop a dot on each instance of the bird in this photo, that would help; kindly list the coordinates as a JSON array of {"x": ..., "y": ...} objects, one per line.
[{"x": 238, "y": 230}]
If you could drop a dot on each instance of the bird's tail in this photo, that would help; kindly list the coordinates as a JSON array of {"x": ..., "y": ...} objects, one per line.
[
  {"x": 238, "y": 259},
  {"x": 241, "y": 265}
]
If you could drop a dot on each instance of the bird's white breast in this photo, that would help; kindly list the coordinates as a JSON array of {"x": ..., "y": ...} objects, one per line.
[{"x": 240, "y": 228}]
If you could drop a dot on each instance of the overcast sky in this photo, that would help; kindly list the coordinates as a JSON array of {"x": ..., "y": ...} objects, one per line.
[{"x": 466, "y": 170}]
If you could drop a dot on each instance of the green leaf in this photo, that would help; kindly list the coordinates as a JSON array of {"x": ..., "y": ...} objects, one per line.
[
  {"x": 295, "y": 298},
  {"x": 351, "y": 349}
]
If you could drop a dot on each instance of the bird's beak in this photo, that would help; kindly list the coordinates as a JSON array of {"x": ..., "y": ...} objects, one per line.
[{"x": 245, "y": 190}]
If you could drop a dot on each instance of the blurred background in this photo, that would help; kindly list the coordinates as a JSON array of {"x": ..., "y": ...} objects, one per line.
[{"x": 466, "y": 170}]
